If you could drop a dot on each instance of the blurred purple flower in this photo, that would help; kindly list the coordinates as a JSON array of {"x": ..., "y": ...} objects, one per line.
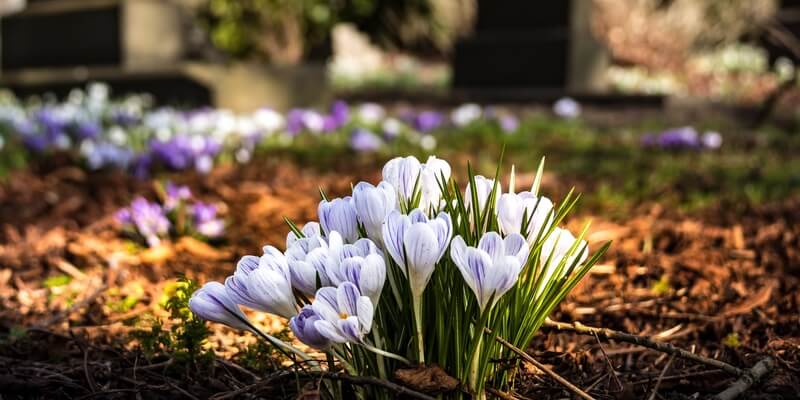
[
  {"x": 567, "y": 107},
  {"x": 147, "y": 219},
  {"x": 711, "y": 140},
  {"x": 427, "y": 121},
  {"x": 508, "y": 123},
  {"x": 175, "y": 194},
  {"x": 88, "y": 130},
  {"x": 206, "y": 221},
  {"x": 294, "y": 121},
  {"x": 103, "y": 154},
  {"x": 340, "y": 113},
  {"x": 363, "y": 140}
]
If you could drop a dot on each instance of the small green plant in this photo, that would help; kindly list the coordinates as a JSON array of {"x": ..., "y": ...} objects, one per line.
[
  {"x": 662, "y": 287},
  {"x": 184, "y": 340},
  {"x": 732, "y": 340}
]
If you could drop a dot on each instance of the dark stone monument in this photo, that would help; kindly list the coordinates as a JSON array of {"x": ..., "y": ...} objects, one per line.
[
  {"x": 528, "y": 50},
  {"x": 788, "y": 15},
  {"x": 133, "y": 45}
]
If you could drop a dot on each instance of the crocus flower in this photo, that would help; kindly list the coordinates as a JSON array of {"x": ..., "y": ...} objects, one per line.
[
  {"x": 372, "y": 205},
  {"x": 406, "y": 174},
  {"x": 391, "y": 128},
  {"x": 265, "y": 286},
  {"x": 508, "y": 123},
  {"x": 371, "y": 113},
  {"x": 148, "y": 219},
  {"x": 340, "y": 113},
  {"x": 339, "y": 215},
  {"x": 465, "y": 114},
  {"x": 346, "y": 315},
  {"x": 483, "y": 188},
  {"x": 362, "y": 140},
  {"x": 416, "y": 244},
  {"x": 175, "y": 194},
  {"x": 492, "y": 268},
  {"x": 516, "y": 211},
  {"x": 310, "y": 229},
  {"x": 367, "y": 273},
  {"x": 303, "y": 327},
  {"x": 711, "y": 140},
  {"x": 679, "y": 138},
  {"x": 567, "y": 108},
  {"x": 205, "y": 220},
  {"x": 427, "y": 121},
  {"x": 212, "y": 303},
  {"x": 299, "y": 256},
  {"x": 236, "y": 284},
  {"x": 555, "y": 248}
]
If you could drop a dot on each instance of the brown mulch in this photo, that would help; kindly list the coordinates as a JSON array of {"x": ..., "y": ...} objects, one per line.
[{"x": 722, "y": 284}]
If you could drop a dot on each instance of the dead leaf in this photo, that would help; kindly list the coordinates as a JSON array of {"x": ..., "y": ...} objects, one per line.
[
  {"x": 757, "y": 300},
  {"x": 158, "y": 254},
  {"x": 428, "y": 379},
  {"x": 200, "y": 249}
]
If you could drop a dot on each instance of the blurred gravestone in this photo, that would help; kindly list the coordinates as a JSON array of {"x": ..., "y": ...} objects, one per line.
[
  {"x": 788, "y": 15},
  {"x": 134, "y": 45},
  {"x": 529, "y": 49}
]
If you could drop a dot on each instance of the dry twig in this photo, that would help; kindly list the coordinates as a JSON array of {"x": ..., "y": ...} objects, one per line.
[
  {"x": 399, "y": 390},
  {"x": 611, "y": 334},
  {"x": 750, "y": 377},
  {"x": 567, "y": 384}
]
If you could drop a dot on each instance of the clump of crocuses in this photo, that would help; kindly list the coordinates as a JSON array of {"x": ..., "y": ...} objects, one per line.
[
  {"x": 176, "y": 214},
  {"x": 414, "y": 270}
]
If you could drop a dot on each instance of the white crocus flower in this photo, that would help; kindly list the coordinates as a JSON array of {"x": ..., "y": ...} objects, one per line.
[
  {"x": 492, "y": 268},
  {"x": 518, "y": 210},
  {"x": 339, "y": 215},
  {"x": 555, "y": 248},
  {"x": 483, "y": 188},
  {"x": 373, "y": 204},
  {"x": 406, "y": 174}
]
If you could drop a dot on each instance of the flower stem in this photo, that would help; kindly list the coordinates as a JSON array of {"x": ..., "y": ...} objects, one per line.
[
  {"x": 417, "y": 300},
  {"x": 336, "y": 387},
  {"x": 381, "y": 367},
  {"x": 385, "y": 353},
  {"x": 473, "y": 371}
]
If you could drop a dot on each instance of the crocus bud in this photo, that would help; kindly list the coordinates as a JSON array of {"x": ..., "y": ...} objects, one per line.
[
  {"x": 518, "y": 210},
  {"x": 555, "y": 249},
  {"x": 416, "y": 244},
  {"x": 339, "y": 215},
  {"x": 492, "y": 268},
  {"x": 402, "y": 173},
  {"x": 303, "y": 272},
  {"x": 302, "y": 326},
  {"x": 372, "y": 205},
  {"x": 212, "y": 303},
  {"x": 483, "y": 188},
  {"x": 432, "y": 172},
  {"x": 310, "y": 229}
]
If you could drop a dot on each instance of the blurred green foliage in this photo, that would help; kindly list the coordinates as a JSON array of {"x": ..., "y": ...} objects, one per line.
[{"x": 286, "y": 31}]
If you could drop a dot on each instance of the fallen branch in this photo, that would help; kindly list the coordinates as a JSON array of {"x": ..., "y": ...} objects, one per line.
[
  {"x": 747, "y": 380},
  {"x": 574, "y": 389},
  {"x": 399, "y": 390},
  {"x": 644, "y": 341}
]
